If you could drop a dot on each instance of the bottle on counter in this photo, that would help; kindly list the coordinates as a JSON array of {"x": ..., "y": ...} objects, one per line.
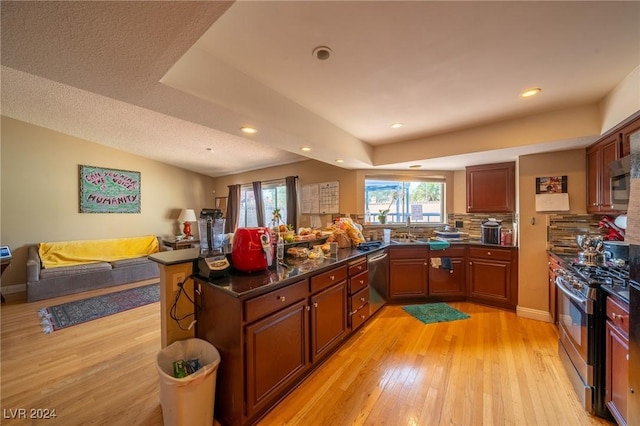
[{"x": 280, "y": 248}]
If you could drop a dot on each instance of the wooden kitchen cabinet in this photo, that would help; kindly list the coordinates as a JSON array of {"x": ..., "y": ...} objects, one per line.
[
  {"x": 408, "y": 272},
  {"x": 599, "y": 156},
  {"x": 626, "y": 133},
  {"x": 493, "y": 276},
  {"x": 328, "y": 319},
  {"x": 554, "y": 265},
  {"x": 617, "y": 359},
  {"x": 328, "y": 311},
  {"x": 277, "y": 353},
  {"x": 269, "y": 343},
  {"x": 444, "y": 282},
  {"x": 491, "y": 188}
]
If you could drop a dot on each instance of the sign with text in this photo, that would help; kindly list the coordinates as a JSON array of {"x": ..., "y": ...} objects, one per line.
[{"x": 105, "y": 190}]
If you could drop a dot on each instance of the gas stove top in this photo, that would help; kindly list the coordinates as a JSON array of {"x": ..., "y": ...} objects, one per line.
[{"x": 595, "y": 276}]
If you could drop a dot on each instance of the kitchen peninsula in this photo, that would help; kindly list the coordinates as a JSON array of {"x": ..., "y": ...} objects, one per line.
[
  {"x": 274, "y": 327},
  {"x": 259, "y": 322}
]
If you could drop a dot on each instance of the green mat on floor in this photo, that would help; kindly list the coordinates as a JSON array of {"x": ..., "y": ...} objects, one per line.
[{"x": 434, "y": 312}]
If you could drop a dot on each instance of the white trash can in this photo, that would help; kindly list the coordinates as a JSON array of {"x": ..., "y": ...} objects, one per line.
[{"x": 188, "y": 400}]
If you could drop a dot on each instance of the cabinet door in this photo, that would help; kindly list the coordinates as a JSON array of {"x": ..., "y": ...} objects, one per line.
[
  {"x": 276, "y": 354},
  {"x": 490, "y": 280},
  {"x": 408, "y": 278},
  {"x": 617, "y": 373},
  {"x": 626, "y": 132},
  {"x": 328, "y": 319},
  {"x": 448, "y": 282},
  {"x": 491, "y": 188},
  {"x": 593, "y": 179},
  {"x": 598, "y": 177}
]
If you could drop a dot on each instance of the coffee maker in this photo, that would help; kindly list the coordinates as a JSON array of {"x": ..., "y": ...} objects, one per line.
[{"x": 212, "y": 262}]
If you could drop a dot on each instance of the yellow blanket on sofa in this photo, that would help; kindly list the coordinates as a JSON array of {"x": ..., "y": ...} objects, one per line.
[{"x": 68, "y": 253}]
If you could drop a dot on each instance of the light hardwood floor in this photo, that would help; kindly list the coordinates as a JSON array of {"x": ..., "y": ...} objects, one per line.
[{"x": 492, "y": 369}]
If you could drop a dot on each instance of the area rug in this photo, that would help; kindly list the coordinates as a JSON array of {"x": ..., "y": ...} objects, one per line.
[
  {"x": 68, "y": 314},
  {"x": 434, "y": 312}
]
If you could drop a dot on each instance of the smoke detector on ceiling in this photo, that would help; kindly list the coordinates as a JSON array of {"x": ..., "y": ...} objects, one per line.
[{"x": 322, "y": 53}]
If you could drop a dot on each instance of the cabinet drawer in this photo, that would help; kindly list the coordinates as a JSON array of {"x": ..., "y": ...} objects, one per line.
[
  {"x": 357, "y": 266},
  {"x": 490, "y": 253},
  {"x": 358, "y": 282},
  {"x": 359, "y": 317},
  {"x": 266, "y": 304},
  {"x": 359, "y": 299},
  {"x": 450, "y": 252},
  {"x": 408, "y": 253},
  {"x": 329, "y": 278},
  {"x": 618, "y": 313}
]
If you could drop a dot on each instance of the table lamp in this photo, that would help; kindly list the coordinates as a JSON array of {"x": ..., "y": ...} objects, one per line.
[{"x": 186, "y": 217}]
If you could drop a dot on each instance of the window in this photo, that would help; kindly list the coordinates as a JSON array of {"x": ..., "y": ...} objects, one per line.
[
  {"x": 274, "y": 195},
  {"x": 395, "y": 200}
]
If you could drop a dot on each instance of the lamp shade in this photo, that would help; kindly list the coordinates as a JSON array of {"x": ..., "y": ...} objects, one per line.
[{"x": 187, "y": 215}]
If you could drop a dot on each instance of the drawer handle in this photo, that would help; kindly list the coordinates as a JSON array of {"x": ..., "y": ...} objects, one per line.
[
  {"x": 362, "y": 299},
  {"x": 618, "y": 316},
  {"x": 361, "y": 281},
  {"x": 282, "y": 298},
  {"x": 488, "y": 253},
  {"x": 359, "y": 267},
  {"x": 627, "y": 357},
  {"x": 363, "y": 316},
  {"x": 315, "y": 304},
  {"x": 332, "y": 277}
]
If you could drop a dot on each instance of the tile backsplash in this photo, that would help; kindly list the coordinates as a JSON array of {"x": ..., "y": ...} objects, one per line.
[{"x": 564, "y": 228}]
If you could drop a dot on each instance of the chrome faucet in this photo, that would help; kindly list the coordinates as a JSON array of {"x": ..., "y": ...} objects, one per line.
[{"x": 409, "y": 234}]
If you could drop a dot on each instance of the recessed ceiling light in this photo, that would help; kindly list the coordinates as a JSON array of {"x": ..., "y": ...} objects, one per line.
[
  {"x": 415, "y": 166},
  {"x": 322, "y": 53},
  {"x": 339, "y": 160},
  {"x": 210, "y": 149},
  {"x": 305, "y": 149},
  {"x": 531, "y": 92},
  {"x": 248, "y": 129},
  {"x": 396, "y": 125}
]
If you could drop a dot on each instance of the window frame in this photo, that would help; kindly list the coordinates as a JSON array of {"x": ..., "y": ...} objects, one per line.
[{"x": 371, "y": 214}]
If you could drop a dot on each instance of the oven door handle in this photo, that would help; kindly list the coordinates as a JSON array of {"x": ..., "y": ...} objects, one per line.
[{"x": 584, "y": 302}]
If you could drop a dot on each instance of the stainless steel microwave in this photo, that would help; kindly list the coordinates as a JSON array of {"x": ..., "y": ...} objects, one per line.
[{"x": 620, "y": 172}]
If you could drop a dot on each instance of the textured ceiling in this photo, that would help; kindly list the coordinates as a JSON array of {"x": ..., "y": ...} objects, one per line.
[{"x": 174, "y": 81}]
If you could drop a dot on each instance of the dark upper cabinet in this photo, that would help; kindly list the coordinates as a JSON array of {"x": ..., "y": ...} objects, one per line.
[
  {"x": 598, "y": 177},
  {"x": 626, "y": 133},
  {"x": 491, "y": 188}
]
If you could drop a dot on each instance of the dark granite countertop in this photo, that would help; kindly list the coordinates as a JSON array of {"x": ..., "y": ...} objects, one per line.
[
  {"x": 616, "y": 290},
  {"x": 467, "y": 242},
  {"x": 243, "y": 285}
]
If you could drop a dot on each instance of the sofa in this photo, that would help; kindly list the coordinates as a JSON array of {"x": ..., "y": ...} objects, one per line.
[{"x": 69, "y": 267}]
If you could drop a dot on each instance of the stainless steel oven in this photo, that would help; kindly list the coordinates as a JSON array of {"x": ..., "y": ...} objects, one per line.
[
  {"x": 581, "y": 304},
  {"x": 576, "y": 323}
]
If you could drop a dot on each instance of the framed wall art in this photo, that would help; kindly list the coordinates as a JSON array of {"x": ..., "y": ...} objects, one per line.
[
  {"x": 104, "y": 190},
  {"x": 551, "y": 185}
]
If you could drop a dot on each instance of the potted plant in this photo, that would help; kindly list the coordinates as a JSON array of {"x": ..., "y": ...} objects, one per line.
[{"x": 382, "y": 216}]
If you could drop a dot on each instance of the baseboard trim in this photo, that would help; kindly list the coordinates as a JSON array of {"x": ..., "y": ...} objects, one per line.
[
  {"x": 534, "y": 314},
  {"x": 16, "y": 288}
]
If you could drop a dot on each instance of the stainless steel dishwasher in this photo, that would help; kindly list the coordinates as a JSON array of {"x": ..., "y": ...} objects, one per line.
[{"x": 378, "y": 266}]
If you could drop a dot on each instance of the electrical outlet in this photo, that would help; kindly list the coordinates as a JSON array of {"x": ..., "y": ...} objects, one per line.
[
  {"x": 459, "y": 224},
  {"x": 177, "y": 279}
]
